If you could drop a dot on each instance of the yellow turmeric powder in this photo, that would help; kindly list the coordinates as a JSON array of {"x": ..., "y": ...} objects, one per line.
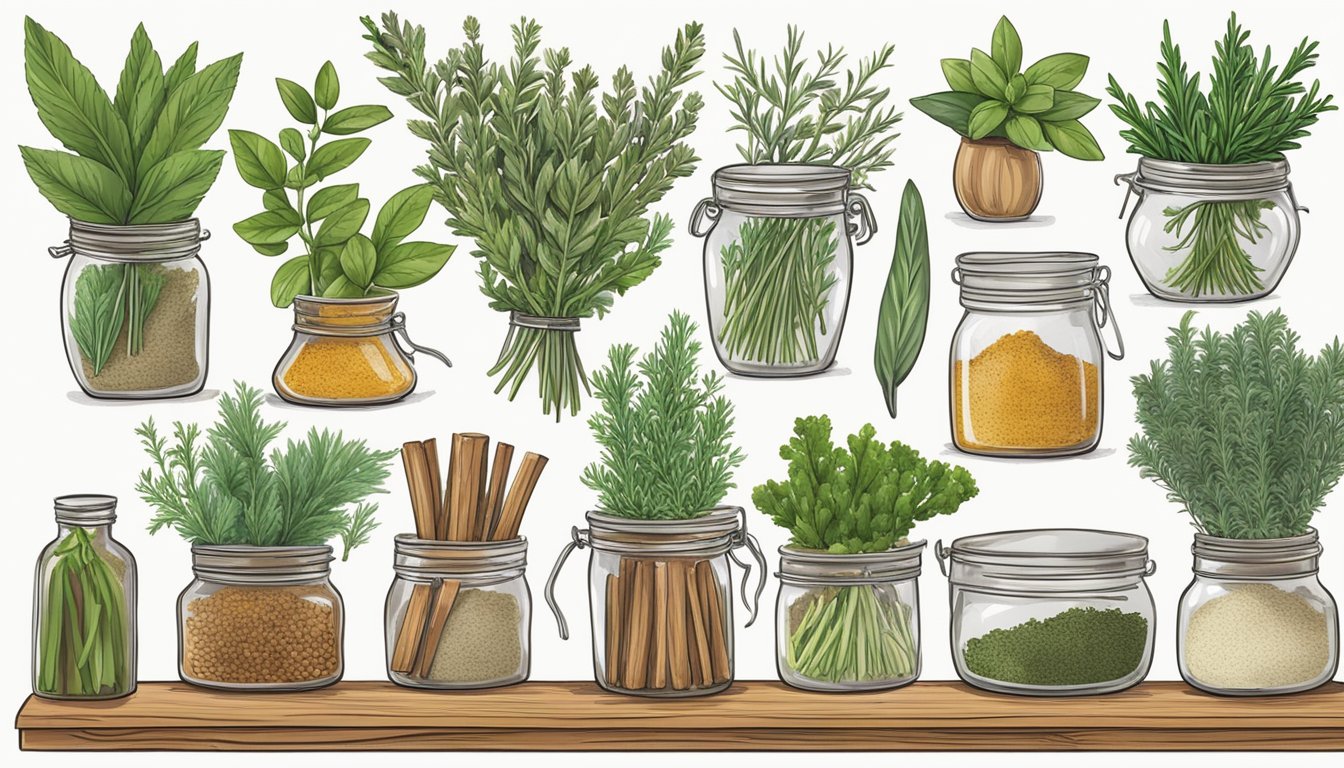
[
  {"x": 1020, "y": 394},
  {"x": 335, "y": 368}
]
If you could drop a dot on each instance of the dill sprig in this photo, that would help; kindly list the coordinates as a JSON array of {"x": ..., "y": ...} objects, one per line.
[
  {"x": 1243, "y": 430},
  {"x": 225, "y": 488}
]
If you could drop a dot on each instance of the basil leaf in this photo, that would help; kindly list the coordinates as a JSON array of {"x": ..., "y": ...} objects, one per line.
[
  {"x": 355, "y": 119},
  {"x": 1069, "y": 105},
  {"x": 292, "y": 141},
  {"x": 267, "y": 228},
  {"x": 173, "y": 188},
  {"x": 1017, "y": 85},
  {"x": 334, "y": 156},
  {"x": 950, "y": 108},
  {"x": 140, "y": 90},
  {"x": 958, "y": 74},
  {"x": 987, "y": 116},
  {"x": 1073, "y": 139},
  {"x": 295, "y": 180},
  {"x": 277, "y": 200},
  {"x": 297, "y": 100},
  {"x": 342, "y": 288},
  {"x": 326, "y": 201},
  {"x": 903, "y": 315},
  {"x": 1006, "y": 47},
  {"x": 71, "y": 104},
  {"x": 327, "y": 89},
  {"x": 343, "y": 224},
  {"x": 1025, "y": 132},
  {"x": 1062, "y": 71},
  {"x": 1034, "y": 99},
  {"x": 193, "y": 113},
  {"x": 410, "y": 264},
  {"x": 183, "y": 68},
  {"x": 988, "y": 78},
  {"x": 402, "y": 214},
  {"x": 291, "y": 279},
  {"x": 270, "y": 249},
  {"x": 77, "y": 186},
  {"x": 327, "y": 267},
  {"x": 260, "y": 163},
  {"x": 359, "y": 260}
]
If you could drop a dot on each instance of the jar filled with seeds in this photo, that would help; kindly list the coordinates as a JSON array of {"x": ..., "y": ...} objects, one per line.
[
  {"x": 458, "y": 614},
  {"x": 261, "y": 618}
]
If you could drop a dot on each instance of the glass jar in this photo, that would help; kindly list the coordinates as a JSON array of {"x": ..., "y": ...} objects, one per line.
[
  {"x": 848, "y": 622},
  {"x": 1051, "y": 612},
  {"x": 345, "y": 352},
  {"x": 779, "y": 263},
  {"x": 1027, "y": 367},
  {"x": 1256, "y": 619},
  {"x": 660, "y": 593},
  {"x": 1211, "y": 233},
  {"x": 260, "y": 618},
  {"x": 84, "y": 606},
  {"x": 459, "y": 614},
  {"x": 135, "y": 309}
]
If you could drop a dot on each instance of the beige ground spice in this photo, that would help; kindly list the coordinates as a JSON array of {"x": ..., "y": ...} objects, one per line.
[
  {"x": 481, "y": 641},
  {"x": 1256, "y": 636},
  {"x": 168, "y": 358},
  {"x": 261, "y": 635}
]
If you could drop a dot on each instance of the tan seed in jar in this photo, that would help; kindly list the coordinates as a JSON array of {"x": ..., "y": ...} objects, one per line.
[{"x": 261, "y": 635}]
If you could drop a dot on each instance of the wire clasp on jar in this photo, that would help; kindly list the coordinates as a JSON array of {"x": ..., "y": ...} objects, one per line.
[
  {"x": 398, "y": 326},
  {"x": 1102, "y": 313}
]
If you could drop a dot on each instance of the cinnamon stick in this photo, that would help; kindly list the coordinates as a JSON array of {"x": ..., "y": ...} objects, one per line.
[
  {"x": 447, "y": 514},
  {"x": 701, "y": 666},
  {"x": 467, "y": 485},
  {"x": 658, "y": 665},
  {"x": 499, "y": 478},
  {"x": 714, "y": 618},
  {"x": 444, "y": 597},
  {"x": 678, "y": 628},
  {"x": 431, "y": 447},
  {"x": 615, "y": 618},
  {"x": 412, "y": 627},
  {"x": 636, "y": 670},
  {"x": 520, "y": 493},
  {"x": 417, "y": 481}
]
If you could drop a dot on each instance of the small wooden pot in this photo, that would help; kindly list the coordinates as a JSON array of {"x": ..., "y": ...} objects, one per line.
[{"x": 996, "y": 180}]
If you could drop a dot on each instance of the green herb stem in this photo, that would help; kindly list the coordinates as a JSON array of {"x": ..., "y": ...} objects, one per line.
[
  {"x": 858, "y": 633},
  {"x": 1214, "y": 235},
  {"x": 85, "y": 632}
]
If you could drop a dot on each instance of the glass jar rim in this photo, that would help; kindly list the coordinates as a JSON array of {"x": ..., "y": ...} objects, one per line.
[
  {"x": 782, "y": 189},
  {"x": 714, "y": 532},
  {"x": 83, "y": 509},
  {"x": 1288, "y": 556},
  {"x": 358, "y": 317},
  {"x": 245, "y": 564},
  {"x": 1211, "y": 179},
  {"x": 476, "y": 562},
  {"x": 170, "y": 241},
  {"x": 1028, "y": 280},
  {"x": 1045, "y": 556},
  {"x": 812, "y": 567}
]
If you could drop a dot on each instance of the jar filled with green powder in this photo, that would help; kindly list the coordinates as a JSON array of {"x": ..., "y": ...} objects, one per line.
[{"x": 1050, "y": 612}]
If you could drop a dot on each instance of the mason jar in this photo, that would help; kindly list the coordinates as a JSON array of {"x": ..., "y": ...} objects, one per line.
[
  {"x": 848, "y": 622},
  {"x": 1051, "y": 612},
  {"x": 779, "y": 263},
  {"x": 135, "y": 308},
  {"x": 260, "y": 618},
  {"x": 1211, "y": 233},
  {"x": 1026, "y": 369},
  {"x": 660, "y": 593},
  {"x": 84, "y": 611},
  {"x": 458, "y": 614},
  {"x": 1256, "y": 619},
  {"x": 345, "y": 352}
]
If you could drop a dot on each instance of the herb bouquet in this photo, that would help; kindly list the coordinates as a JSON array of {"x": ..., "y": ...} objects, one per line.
[
  {"x": 1217, "y": 220},
  {"x": 552, "y": 178},
  {"x": 849, "y": 602}
]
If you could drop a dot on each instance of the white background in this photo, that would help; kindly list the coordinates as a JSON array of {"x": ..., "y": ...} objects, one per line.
[{"x": 59, "y": 442}]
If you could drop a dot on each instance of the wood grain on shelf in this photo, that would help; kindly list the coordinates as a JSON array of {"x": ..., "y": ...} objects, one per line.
[{"x": 748, "y": 716}]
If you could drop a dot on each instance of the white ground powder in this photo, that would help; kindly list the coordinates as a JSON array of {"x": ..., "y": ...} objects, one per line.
[{"x": 1256, "y": 636}]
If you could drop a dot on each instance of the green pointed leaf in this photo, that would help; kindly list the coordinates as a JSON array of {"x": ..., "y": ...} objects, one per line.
[
  {"x": 950, "y": 108},
  {"x": 292, "y": 142},
  {"x": 193, "y": 112},
  {"x": 342, "y": 288},
  {"x": 183, "y": 68},
  {"x": 79, "y": 187},
  {"x": 326, "y": 201},
  {"x": 409, "y": 264},
  {"x": 140, "y": 90},
  {"x": 327, "y": 89},
  {"x": 335, "y": 156},
  {"x": 986, "y": 117},
  {"x": 1069, "y": 105},
  {"x": 270, "y": 249},
  {"x": 278, "y": 200},
  {"x": 1006, "y": 47},
  {"x": 1017, "y": 85},
  {"x": 267, "y": 228},
  {"x": 988, "y": 77},
  {"x": 1036, "y": 98},
  {"x": 903, "y": 316},
  {"x": 1025, "y": 132},
  {"x": 173, "y": 188},
  {"x": 297, "y": 100},
  {"x": 359, "y": 260},
  {"x": 260, "y": 163},
  {"x": 958, "y": 75},
  {"x": 343, "y": 224},
  {"x": 1063, "y": 71},
  {"x": 291, "y": 279},
  {"x": 402, "y": 214},
  {"x": 355, "y": 119},
  {"x": 1073, "y": 139}
]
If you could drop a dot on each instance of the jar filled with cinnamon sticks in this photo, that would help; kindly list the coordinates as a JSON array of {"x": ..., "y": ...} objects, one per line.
[{"x": 661, "y": 596}]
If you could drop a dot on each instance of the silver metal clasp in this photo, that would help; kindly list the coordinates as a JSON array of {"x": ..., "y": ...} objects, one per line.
[
  {"x": 1131, "y": 187},
  {"x": 858, "y": 207},
  {"x": 943, "y": 556},
  {"x": 740, "y": 538},
  {"x": 1102, "y": 313},
  {"x": 578, "y": 540},
  {"x": 399, "y": 328},
  {"x": 705, "y": 210}
]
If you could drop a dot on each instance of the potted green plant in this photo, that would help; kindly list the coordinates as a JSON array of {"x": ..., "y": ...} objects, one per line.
[
  {"x": 848, "y": 609},
  {"x": 1216, "y": 219},
  {"x": 1246, "y": 433},
  {"x": 261, "y": 612},
  {"x": 659, "y": 577},
  {"x": 1006, "y": 117},
  {"x": 135, "y": 301},
  {"x": 782, "y": 226},
  {"x": 344, "y": 285},
  {"x": 551, "y": 177}
]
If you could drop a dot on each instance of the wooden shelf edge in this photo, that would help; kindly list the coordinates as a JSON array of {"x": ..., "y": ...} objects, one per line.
[{"x": 750, "y": 716}]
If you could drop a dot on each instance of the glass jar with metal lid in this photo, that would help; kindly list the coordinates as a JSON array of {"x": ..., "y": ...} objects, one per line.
[
  {"x": 1211, "y": 233},
  {"x": 1026, "y": 373},
  {"x": 661, "y": 598},
  {"x": 345, "y": 352},
  {"x": 779, "y": 263},
  {"x": 458, "y": 614},
  {"x": 848, "y": 622},
  {"x": 84, "y": 613},
  {"x": 261, "y": 618},
  {"x": 1256, "y": 619},
  {"x": 135, "y": 308},
  {"x": 1050, "y": 612}
]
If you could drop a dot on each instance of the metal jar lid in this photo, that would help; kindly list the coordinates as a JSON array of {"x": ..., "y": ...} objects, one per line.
[
  {"x": 1257, "y": 559},
  {"x": 474, "y": 562},
  {"x": 782, "y": 189},
  {"x": 1210, "y": 180},
  {"x": 85, "y": 509},
  {"x": 713, "y": 533},
  {"x": 235, "y": 564},
  {"x": 1028, "y": 279},
  {"x": 133, "y": 242},
  {"x": 810, "y": 567},
  {"x": 1046, "y": 560}
]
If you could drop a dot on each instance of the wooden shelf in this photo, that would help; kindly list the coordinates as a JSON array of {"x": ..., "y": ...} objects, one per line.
[{"x": 748, "y": 716}]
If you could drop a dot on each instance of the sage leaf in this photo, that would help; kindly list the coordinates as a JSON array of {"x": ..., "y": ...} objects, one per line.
[
  {"x": 1025, "y": 132},
  {"x": 260, "y": 163},
  {"x": 402, "y": 214},
  {"x": 183, "y": 68},
  {"x": 173, "y": 188},
  {"x": 989, "y": 79},
  {"x": 359, "y": 260},
  {"x": 292, "y": 142},
  {"x": 958, "y": 75},
  {"x": 1035, "y": 99},
  {"x": 950, "y": 108},
  {"x": 1073, "y": 139},
  {"x": 326, "y": 201},
  {"x": 77, "y": 186},
  {"x": 1062, "y": 71},
  {"x": 335, "y": 156},
  {"x": 409, "y": 264},
  {"x": 355, "y": 119},
  {"x": 193, "y": 113},
  {"x": 903, "y": 315},
  {"x": 267, "y": 228},
  {"x": 291, "y": 279},
  {"x": 343, "y": 224},
  {"x": 987, "y": 116},
  {"x": 140, "y": 90},
  {"x": 71, "y": 104},
  {"x": 1069, "y": 105},
  {"x": 297, "y": 100},
  {"x": 327, "y": 89},
  {"x": 1006, "y": 47}
]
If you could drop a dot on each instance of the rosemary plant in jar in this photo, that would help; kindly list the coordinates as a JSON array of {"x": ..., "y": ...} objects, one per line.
[
  {"x": 659, "y": 579},
  {"x": 344, "y": 284},
  {"x": 1006, "y": 117},
  {"x": 135, "y": 302},
  {"x": 1246, "y": 432},
  {"x": 1216, "y": 218},
  {"x": 779, "y": 247},
  {"x": 84, "y": 636},
  {"x": 552, "y": 178},
  {"x": 261, "y": 612},
  {"x": 847, "y": 618}
]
